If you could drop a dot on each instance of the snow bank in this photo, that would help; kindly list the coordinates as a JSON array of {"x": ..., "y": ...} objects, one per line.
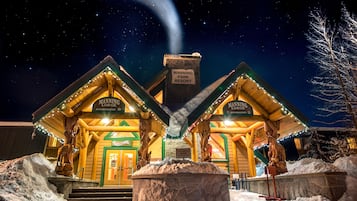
[
  {"x": 344, "y": 164},
  {"x": 25, "y": 178},
  {"x": 349, "y": 165},
  {"x": 309, "y": 165},
  {"x": 241, "y": 195}
]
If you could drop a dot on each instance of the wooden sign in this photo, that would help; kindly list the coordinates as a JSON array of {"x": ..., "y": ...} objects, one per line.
[
  {"x": 108, "y": 104},
  {"x": 121, "y": 143},
  {"x": 237, "y": 108},
  {"x": 183, "y": 76},
  {"x": 183, "y": 153}
]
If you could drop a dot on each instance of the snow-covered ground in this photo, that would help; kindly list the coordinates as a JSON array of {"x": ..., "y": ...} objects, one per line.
[{"x": 25, "y": 179}]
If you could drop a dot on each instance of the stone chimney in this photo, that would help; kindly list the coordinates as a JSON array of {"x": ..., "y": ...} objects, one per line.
[{"x": 183, "y": 79}]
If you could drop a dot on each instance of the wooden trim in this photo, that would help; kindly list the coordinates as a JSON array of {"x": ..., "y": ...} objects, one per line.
[
  {"x": 93, "y": 115},
  {"x": 88, "y": 99},
  {"x": 254, "y": 104},
  {"x": 276, "y": 115},
  {"x": 109, "y": 77},
  {"x": 216, "y": 117},
  {"x": 237, "y": 130},
  {"x": 114, "y": 128},
  {"x": 188, "y": 141}
]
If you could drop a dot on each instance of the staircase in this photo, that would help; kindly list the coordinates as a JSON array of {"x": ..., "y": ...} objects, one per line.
[{"x": 98, "y": 193}]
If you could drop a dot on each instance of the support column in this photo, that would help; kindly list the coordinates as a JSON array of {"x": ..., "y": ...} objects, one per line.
[
  {"x": 95, "y": 156},
  {"x": 206, "y": 148},
  {"x": 235, "y": 156},
  {"x": 83, "y": 152},
  {"x": 194, "y": 147},
  {"x": 145, "y": 128},
  {"x": 250, "y": 153}
]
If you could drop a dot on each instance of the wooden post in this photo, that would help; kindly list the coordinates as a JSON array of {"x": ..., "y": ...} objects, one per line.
[
  {"x": 83, "y": 152},
  {"x": 145, "y": 128},
  {"x": 194, "y": 147},
  {"x": 250, "y": 152},
  {"x": 206, "y": 149}
]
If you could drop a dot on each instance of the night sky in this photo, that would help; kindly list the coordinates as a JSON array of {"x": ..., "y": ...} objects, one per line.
[{"x": 46, "y": 45}]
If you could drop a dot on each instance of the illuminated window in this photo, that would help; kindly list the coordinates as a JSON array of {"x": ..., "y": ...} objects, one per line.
[
  {"x": 352, "y": 143},
  {"x": 218, "y": 143}
]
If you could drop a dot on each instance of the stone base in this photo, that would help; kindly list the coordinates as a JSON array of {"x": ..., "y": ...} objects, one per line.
[
  {"x": 182, "y": 186},
  {"x": 66, "y": 184},
  {"x": 331, "y": 185}
]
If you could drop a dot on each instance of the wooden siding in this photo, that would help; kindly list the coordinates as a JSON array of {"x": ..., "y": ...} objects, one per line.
[
  {"x": 155, "y": 148},
  {"x": 242, "y": 156},
  {"x": 231, "y": 156},
  {"x": 16, "y": 141}
]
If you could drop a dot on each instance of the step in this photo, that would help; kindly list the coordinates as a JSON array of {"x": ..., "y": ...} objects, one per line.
[
  {"x": 101, "y": 189},
  {"x": 100, "y": 194},
  {"x": 99, "y": 199}
]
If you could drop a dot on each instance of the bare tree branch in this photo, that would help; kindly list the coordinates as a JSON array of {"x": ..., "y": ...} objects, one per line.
[{"x": 334, "y": 50}]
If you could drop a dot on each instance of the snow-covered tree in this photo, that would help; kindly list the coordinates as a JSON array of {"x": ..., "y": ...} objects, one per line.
[
  {"x": 325, "y": 146},
  {"x": 333, "y": 48}
]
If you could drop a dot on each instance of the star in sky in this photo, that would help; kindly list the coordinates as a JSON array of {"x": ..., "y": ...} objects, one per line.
[{"x": 46, "y": 45}]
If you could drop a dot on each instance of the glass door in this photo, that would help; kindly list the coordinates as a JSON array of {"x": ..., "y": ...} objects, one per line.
[{"x": 119, "y": 167}]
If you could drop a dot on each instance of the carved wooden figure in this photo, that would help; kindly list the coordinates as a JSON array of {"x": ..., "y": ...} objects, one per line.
[
  {"x": 144, "y": 154},
  {"x": 276, "y": 153},
  {"x": 206, "y": 149},
  {"x": 64, "y": 164}
]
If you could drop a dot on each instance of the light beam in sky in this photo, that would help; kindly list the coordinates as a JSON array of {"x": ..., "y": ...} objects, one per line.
[{"x": 167, "y": 13}]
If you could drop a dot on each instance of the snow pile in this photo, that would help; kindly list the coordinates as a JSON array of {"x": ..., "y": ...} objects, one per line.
[
  {"x": 309, "y": 165},
  {"x": 349, "y": 165},
  {"x": 175, "y": 166},
  {"x": 25, "y": 178},
  {"x": 344, "y": 164},
  {"x": 242, "y": 195}
]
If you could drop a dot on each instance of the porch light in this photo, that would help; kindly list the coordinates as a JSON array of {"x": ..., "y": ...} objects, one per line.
[
  {"x": 131, "y": 108},
  {"x": 105, "y": 121},
  {"x": 228, "y": 122}
]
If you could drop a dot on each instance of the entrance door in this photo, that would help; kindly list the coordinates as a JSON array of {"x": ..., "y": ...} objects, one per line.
[{"x": 119, "y": 166}]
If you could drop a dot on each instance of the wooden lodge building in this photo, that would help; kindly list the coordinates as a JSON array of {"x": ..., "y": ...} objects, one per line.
[{"x": 123, "y": 126}]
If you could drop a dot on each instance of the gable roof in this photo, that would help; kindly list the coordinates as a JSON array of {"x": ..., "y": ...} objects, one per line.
[
  {"x": 107, "y": 63},
  {"x": 256, "y": 88},
  {"x": 242, "y": 70}
]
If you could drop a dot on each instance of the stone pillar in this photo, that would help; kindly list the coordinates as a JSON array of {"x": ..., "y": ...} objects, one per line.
[{"x": 180, "y": 180}]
